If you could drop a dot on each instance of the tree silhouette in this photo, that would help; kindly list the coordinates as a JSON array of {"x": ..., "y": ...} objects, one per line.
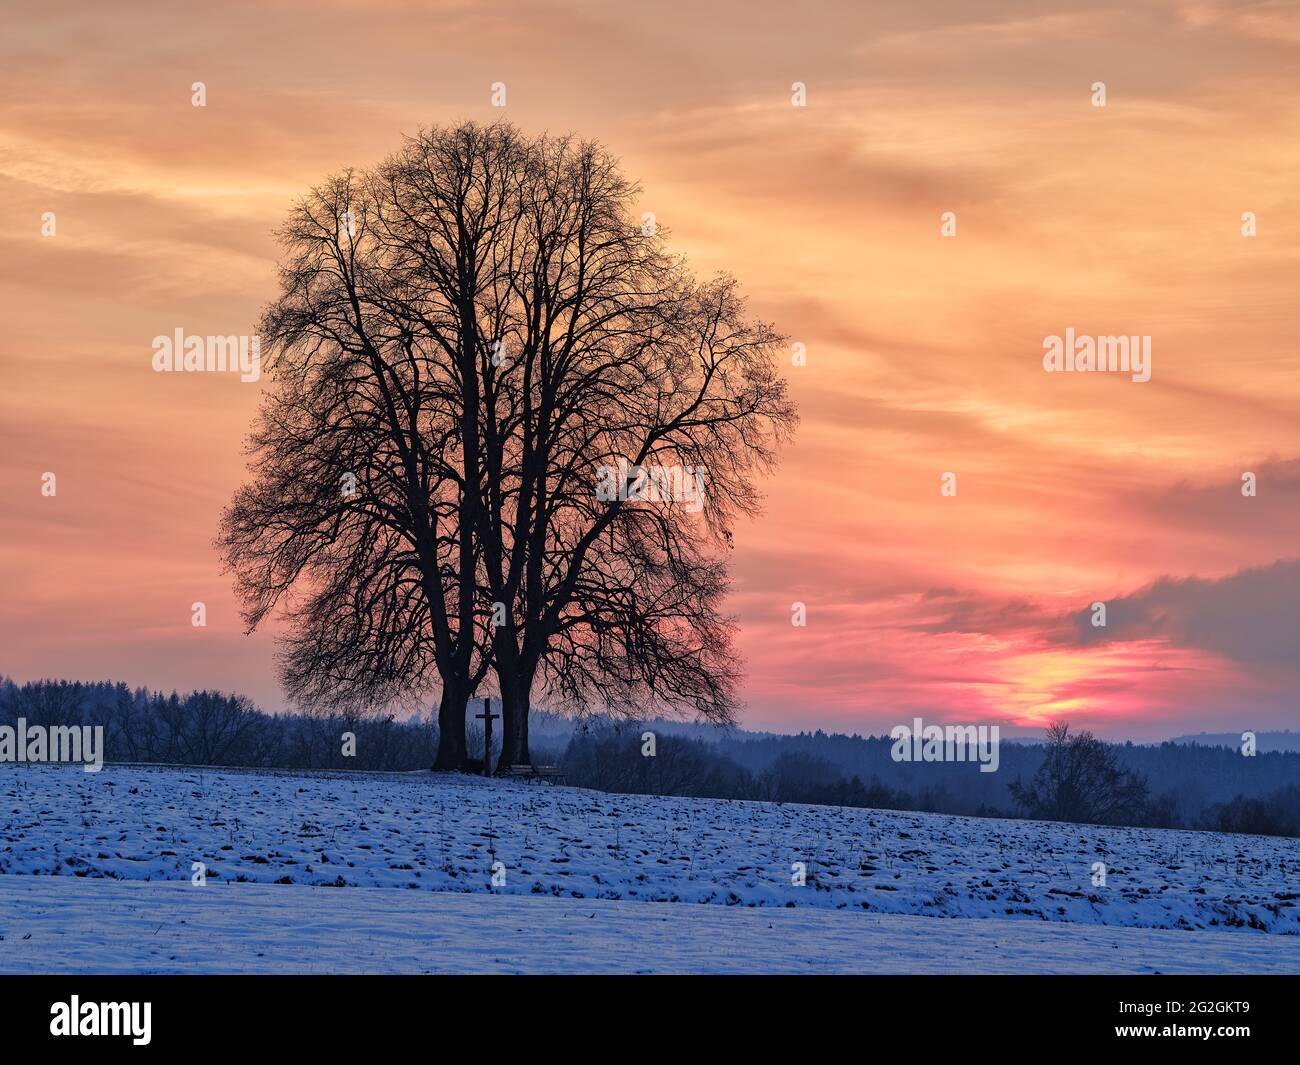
[
  {"x": 467, "y": 341},
  {"x": 1081, "y": 781}
]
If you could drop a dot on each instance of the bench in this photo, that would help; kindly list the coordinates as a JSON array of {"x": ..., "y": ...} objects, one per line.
[{"x": 552, "y": 774}]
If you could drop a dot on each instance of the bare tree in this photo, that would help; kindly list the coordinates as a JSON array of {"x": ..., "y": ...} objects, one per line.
[
  {"x": 475, "y": 333},
  {"x": 1081, "y": 781},
  {"x": 210, "y": 728}
]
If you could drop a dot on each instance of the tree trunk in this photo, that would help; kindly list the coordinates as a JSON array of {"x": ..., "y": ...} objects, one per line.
[
  {"x": 514, "y": 720},
  {"x": 451, "y": 730},
  {"x": 515, "y": 679}
]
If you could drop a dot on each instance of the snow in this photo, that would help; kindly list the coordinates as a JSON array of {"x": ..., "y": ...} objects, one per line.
[
  {"x": 100, "y": 926},
  {"x": 871, "y": 876}
]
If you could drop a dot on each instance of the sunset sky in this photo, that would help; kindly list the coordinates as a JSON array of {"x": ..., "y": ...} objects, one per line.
[{"x": 924, "y": 352}]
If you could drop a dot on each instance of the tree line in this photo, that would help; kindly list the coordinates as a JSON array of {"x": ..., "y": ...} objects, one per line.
[
  {"x": 1069, "y": 777},
  {"x": 1072, "y": 777},
  {"x": 217, "y": 729}
]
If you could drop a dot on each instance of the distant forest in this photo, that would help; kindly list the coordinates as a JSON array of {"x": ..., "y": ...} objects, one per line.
[
  {"x": 1172, "y": 784},
  {"x": 1264, "y": 741}
]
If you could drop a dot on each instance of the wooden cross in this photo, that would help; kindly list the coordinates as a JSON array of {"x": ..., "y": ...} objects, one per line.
[{"x": 487, "y": 717}]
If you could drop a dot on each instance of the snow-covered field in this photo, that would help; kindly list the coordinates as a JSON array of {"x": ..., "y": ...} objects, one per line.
[
  {"x": 302, "y": 834},
  {"x": 77, "y": 926}
]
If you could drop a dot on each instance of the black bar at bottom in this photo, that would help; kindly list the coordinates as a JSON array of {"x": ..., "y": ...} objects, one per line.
[{"x": 333, "y": 1015}]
